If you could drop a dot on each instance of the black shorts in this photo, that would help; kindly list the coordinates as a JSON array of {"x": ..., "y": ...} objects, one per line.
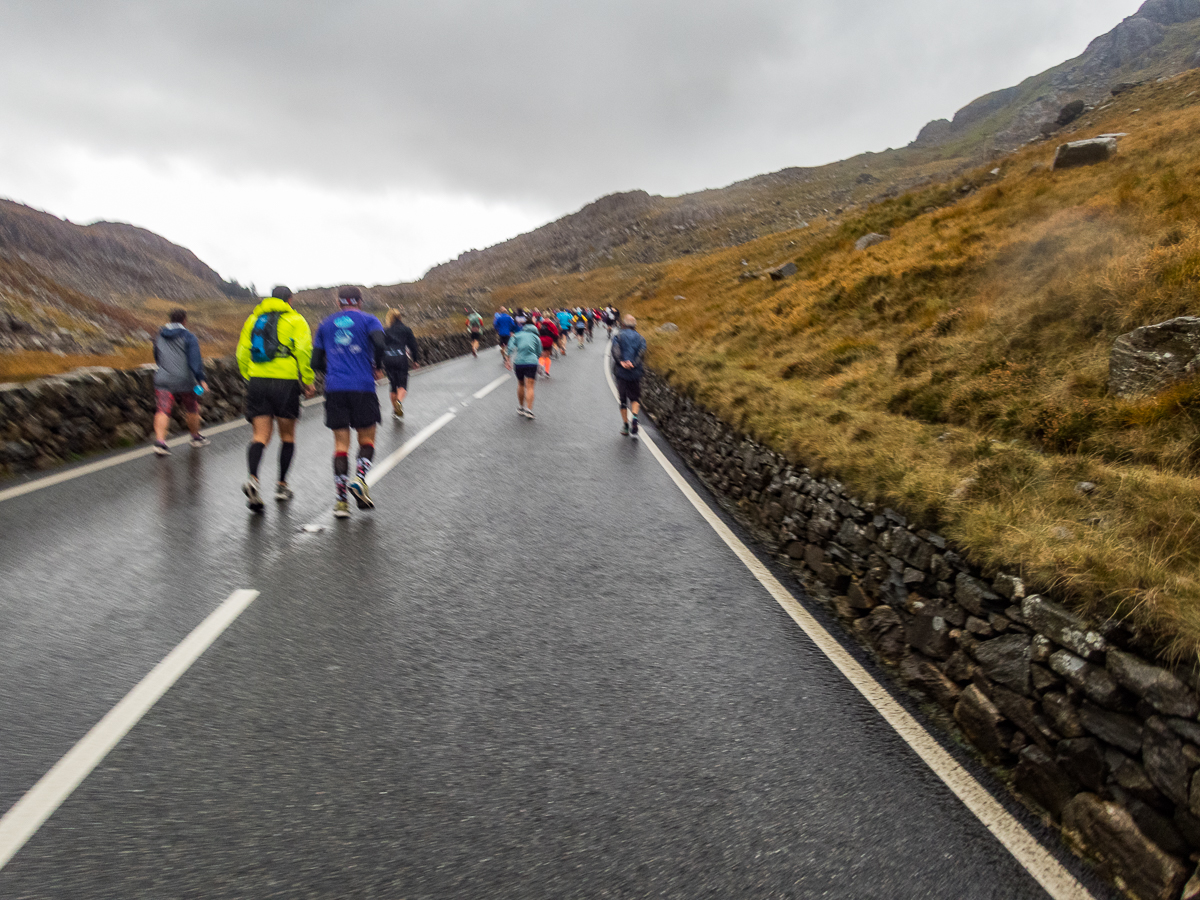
[
  {"x": 351, "y": 409},
  {"x": 628, "y": 391},
  {"x": 397, "y": 374},
  {"x": 526, "y": 372},
  {"x": 278, "y": 397},
  {"x": 476, "y": 335}
]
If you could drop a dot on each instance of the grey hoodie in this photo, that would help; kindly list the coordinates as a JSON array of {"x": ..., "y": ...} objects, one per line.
[{"x": 177, "y": 353}]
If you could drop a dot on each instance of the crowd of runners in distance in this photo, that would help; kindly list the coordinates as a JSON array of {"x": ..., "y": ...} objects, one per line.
[{"x": 279, "y": 357}]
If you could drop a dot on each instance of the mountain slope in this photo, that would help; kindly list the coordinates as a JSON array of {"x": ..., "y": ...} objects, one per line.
[{"x": 1160, "y": 39}]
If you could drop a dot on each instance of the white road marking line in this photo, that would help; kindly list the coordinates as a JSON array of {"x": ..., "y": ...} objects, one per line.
[
  {"x": 27, "y": 815},
  {"x": 58, "y": 478},
  {"x": 386, "y": 465},
  {"x": 1028, "y": 851},
  {"x": 30, "y": 486},
  {"x": 483, "y": 392}
]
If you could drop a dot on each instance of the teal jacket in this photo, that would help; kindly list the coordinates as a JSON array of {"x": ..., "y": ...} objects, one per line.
[{"x": 524, "y": 347}]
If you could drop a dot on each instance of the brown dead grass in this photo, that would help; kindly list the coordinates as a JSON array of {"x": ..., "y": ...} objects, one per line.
[{"x": 959, "y": 370}]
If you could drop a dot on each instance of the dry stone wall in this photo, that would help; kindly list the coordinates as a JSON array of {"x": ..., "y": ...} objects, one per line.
[
  {"x": 46, "y": 422},
  {"x": 1099, "y": 737}
]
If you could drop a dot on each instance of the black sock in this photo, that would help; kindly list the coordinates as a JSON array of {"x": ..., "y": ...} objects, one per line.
[
  {"x": 341, "y": 464},
  {"x": 285, "y": 459},
  {"x": 366, "y": 451},
  {"x": 255, "y": 457}
]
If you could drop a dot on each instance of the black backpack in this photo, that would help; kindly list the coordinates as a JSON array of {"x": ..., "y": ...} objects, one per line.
[{"x": 264, "y": 339}]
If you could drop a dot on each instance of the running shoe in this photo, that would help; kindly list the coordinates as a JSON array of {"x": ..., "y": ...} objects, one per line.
[
  {"x": 398, "y": 409},
  {"x": 341, "y": 510},
  {"x": 161, "y": 448},
  {"x": 633, "y": 428},
  {"x": 199, "y": 440},
  {"x": 520, "y": 410},
  {"x": 283, "y": 492},
  {"x": 358, "y": 487},
  {"x": 528, "y": 414},
  {"x": 625, "y": 430},
  {"x": 253, "y": 497}
]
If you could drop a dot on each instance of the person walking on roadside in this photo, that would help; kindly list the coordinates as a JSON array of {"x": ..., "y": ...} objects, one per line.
[
  {"x": 349, "y": 349},
  {"x": 524, "y": 347},
  {"x": 628, "y": 351},
  {"x": 179, "y": 379},
  {"x": 401, "y": 352},
  {"x": 504, "y": 326},
  {"x": 474, "y": 329},
  {"x": 274, "y": 355}
]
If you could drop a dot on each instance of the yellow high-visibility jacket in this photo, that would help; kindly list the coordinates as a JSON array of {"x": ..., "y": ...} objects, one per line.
[{"x": 294, "y": 334}]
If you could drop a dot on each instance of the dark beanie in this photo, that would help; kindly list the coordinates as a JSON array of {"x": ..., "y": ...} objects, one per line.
[
  {"x": 281, "y": 292},
  {"x": 349, "y": 295}
]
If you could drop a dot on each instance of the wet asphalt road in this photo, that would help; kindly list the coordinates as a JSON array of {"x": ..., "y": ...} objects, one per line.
[{"x": 533, "y": 671}]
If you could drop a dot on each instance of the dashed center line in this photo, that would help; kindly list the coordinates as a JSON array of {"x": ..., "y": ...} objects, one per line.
[{"x": 27, "y": 815}]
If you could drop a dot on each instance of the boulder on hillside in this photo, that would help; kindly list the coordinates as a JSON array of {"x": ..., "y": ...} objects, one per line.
[
  {"x": 1084, "y": 153},
  {"x": 787, "y": 270},
  {"x": 1070, "y": 113},
  {"x": 1152, "y": 357},
  {"x": 667, "y": 327},
  {"x": 1122, "y": 87},
  {"x": 869, "y": 240}
]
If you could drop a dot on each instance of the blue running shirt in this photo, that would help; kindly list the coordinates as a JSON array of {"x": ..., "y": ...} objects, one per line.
[{"x": 349, "y": 353}]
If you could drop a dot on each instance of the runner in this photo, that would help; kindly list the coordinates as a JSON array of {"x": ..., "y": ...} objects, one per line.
[
  {"x": 349, "y": 349},
  {"x": 523, "y": 350},
  {"x": 628, "y": 350},
  {"x": 274, "y": 354},
  {"x": 563, "y": 318},
  {"x": 179, "y": 379},
  {"x": 503, "y": 324},
  {"x": 609, "y": 318},
  {"x": 579, "y": 323},
  {"x": 474, "y": 329},
  {"x": 589, "y": 316},
  {"x": 549, "y": 334},
  {"x": 520, "y": 319},
  {"x": 401, "y": 351}
]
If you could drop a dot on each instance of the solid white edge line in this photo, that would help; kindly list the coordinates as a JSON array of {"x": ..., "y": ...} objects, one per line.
[
  {"x": 483, "y": 392},
  {"x": 386, "y": 465},
  {"x": 50, "y": 480},
  {"x": 1028, "y": 851},
  {"x": 27, "y": 815}
]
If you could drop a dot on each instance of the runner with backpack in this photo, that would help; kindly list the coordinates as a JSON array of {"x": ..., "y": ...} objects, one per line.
[{"x": 274, "y": 355}]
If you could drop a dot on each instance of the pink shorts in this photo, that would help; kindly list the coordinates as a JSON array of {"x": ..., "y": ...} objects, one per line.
[{"x": 165, "y": 400}]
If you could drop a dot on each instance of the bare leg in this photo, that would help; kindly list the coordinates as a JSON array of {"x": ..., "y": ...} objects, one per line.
[
  {"x": 193, "y": 422},
  {"x": 161, "y": 421}
]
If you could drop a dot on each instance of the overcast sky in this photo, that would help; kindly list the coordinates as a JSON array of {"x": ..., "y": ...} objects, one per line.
[{"x": 316, "y": 142}]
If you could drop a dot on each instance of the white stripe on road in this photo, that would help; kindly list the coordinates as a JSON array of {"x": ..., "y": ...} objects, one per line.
[
  {"x": 483, "y": 392},
  {"x": 21, "y": 822},
  {"x": 1046, "y": 870},
  {"x": 59, "y": 477},
  {"x": 386, "y": 465}
]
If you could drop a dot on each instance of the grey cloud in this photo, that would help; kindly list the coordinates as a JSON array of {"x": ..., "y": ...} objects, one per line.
[{"x": 534, "y": 100}]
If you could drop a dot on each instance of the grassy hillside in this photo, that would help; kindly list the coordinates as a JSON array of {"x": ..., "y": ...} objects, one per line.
[{"x": 959, "y": 370}]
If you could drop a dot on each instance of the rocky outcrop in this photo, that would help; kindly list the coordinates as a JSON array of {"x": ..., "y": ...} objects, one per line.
[
  {"x": 1153, "y": 357},
  {"x": 1101, "y": 737},
  {"x": 1084, "y": 153},
  {"x": 46, "y": 422},
  {"x": 869, "y": 240}
]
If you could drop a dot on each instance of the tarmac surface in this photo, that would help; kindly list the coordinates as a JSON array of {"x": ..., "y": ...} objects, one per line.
[{"x": 533, "y": 671}]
